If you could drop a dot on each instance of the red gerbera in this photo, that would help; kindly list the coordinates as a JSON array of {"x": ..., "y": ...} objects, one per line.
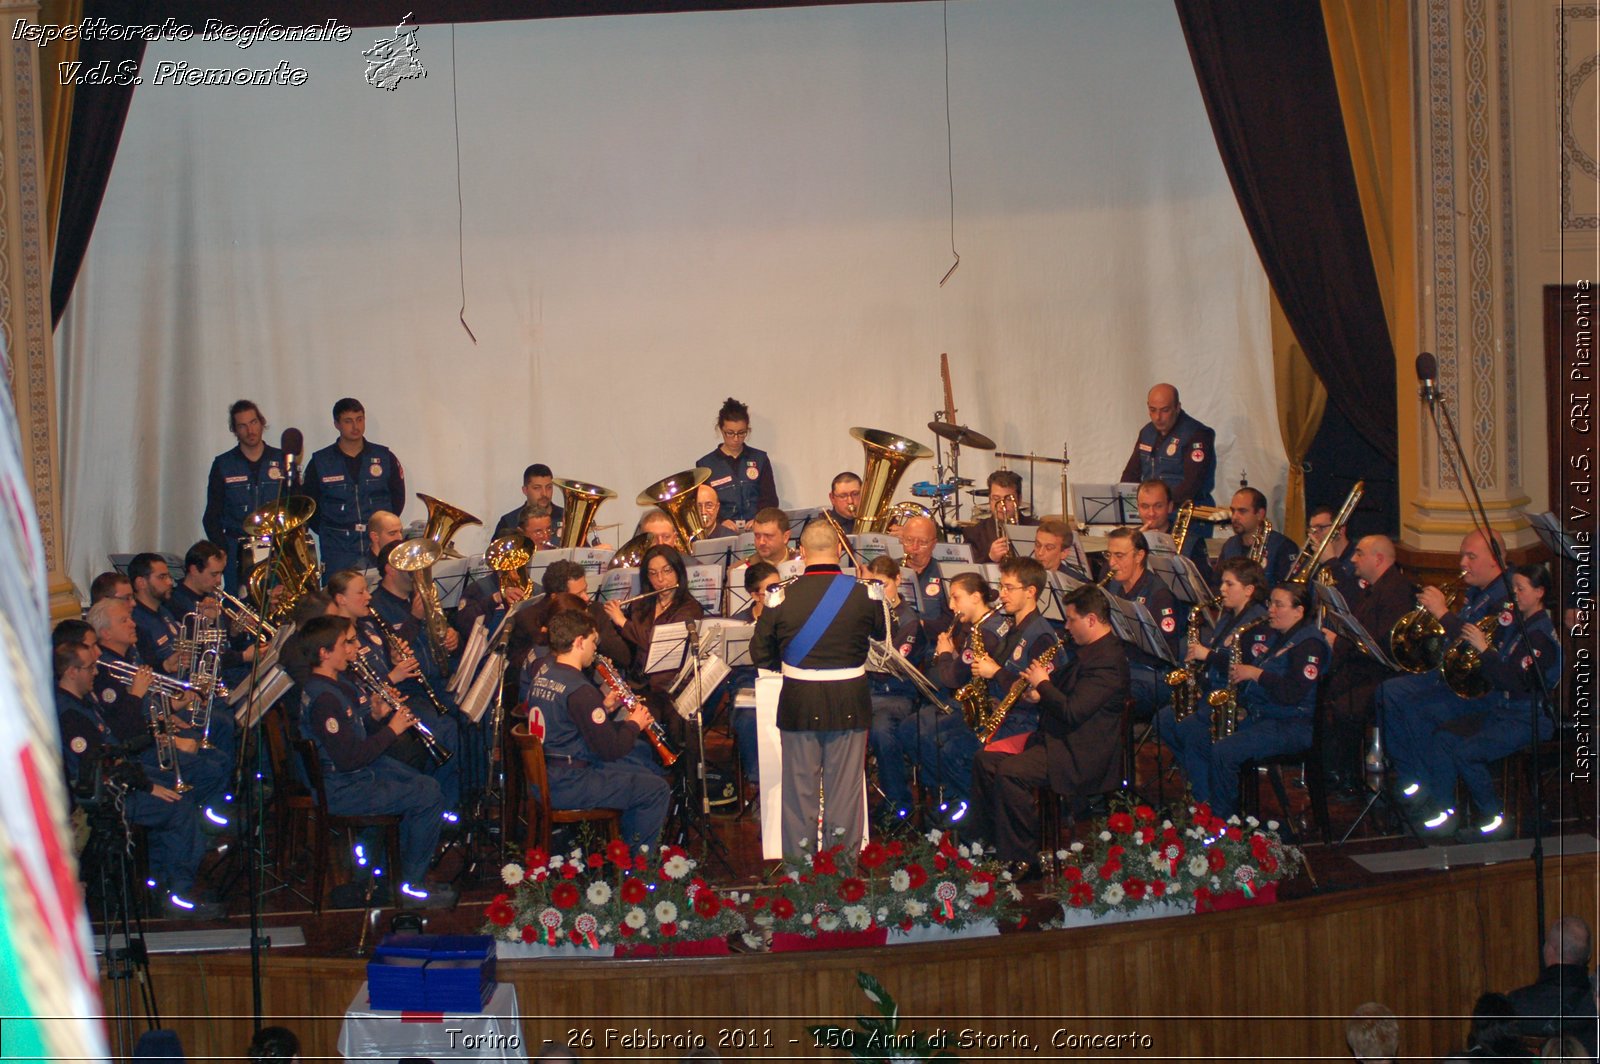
[
  {"x": 1080, "y": 894},
  {"x": 500, "y": 912},
  {"x": 564, "y": 896},
  {"x": 1157, "y": 888},
  {"x": 529, "y": 934},
  {"x": 917, "y": 874},
  {"x": 595, "y": 860},
  {"x": 706, "y": 904},
  {"x": 1145, "y": 814},
  {"x": 759, "y": 902},
  {"x": 569, "y": 871},
  {"x": 852, "y": 889},
  {"x": 895, "y": 848},
  {"x": 1120, "y": 823},
  {"x": 536, "y": 858},
  {"x": 633, "y": 891},
  {"x": 1258, "y": 847},
  {"x": 1071, "y": 874},
  {"x": 872, "y": 855},
  {"x": 618, "y": 854},
  {"x": 782, "y": 908},
  {"x": 668, "y": 930},
  {"x": 823, "y": 864},
  {"x": 1134, "y": 887},
  {"x": 1217, "y": 860}
]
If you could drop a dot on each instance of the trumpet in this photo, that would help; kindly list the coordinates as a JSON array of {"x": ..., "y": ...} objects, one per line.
[
  {"x": 246, "y": 619},
  {"x": 376, "y": 686},
  {"x": 126, "y": 672},
  {"x": 1004, "y": 511}
]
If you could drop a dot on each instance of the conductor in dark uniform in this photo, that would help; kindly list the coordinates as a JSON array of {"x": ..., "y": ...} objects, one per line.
[
  {"x": 1175, "y": 448},
  {"x": 818, "y": 637}
]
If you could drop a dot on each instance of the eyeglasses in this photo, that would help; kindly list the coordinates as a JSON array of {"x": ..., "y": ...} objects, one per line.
[
  {"x": 741, "y": 434},
  {"x": 1319, "y": 528},
  {"x": 1010, "y": 587}
]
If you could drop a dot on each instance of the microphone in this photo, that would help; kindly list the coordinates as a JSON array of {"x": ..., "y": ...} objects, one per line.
[
  {"x": 694, "y": 637},
  {"x": 292, "y": 443},
  {"x": 1428, "y": 377}
]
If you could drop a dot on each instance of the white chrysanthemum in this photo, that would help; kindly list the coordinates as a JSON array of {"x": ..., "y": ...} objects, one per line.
[
  {"x": 806, "y": 918},
  {"x": 1165, "y": 824},
  {"x": 599, "y": 892},
  {"x": 977, "y": 888},
  {"x": 1252, "y": 821},
  {"x": 1175, "y": 887},
  {"x": 883, "y": 914},
  {"x": 1061, "y": 855},
  {"x": 857, "y": 916},
  {"x": 915, "y": 908},
  {"x": 666, "y": 912},
  {"x": 1105, "y": 836},
  {"x": 1272, "y": 825},
  {"x": 512, "y": 874},
  {"x": 556, "y": 861},
  {"x": 828, "y": 922},
  {"x": 1198, "y": 865},
  {"x": 899, "y": 881},
  {"x": 1113, "y": 894},
  {"x": 935, "y": 835},
  {"x": 1234, "y": 820},
  {"x": 977, "y": 849},
  {"x": 634, "y": 918},
  {"x": 676, "y": 866},
  {"x": 1077, "y": 847},
  {"x": 963, "y": 851}
]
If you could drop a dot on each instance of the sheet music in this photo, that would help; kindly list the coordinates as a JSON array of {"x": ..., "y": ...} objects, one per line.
[
  {"x": 1133, "y": 624},
  {"x": 723, "y": 550},
  {"x": 951, "y": 552},
  {"x": 1549, "y": 530},
  {"x": 1340, "y": 619},
  {"x": 264, "y": 664},
  {"x": 1107, "y": 504},
  {"x": 476, "y": 701},
  {"x": 614, "y": 584},
  {"x": 274, "y": 686},
  {"x": 593, "y": 560},
  {"x": 1181, "y": 575},
  {"x": 450, "y": 576},
  {"x": 870, "y": 545},
  {"x": 667, "y": 647},
  {"x": 471, "y": 654},
  {"x": 705, "y": 584}
]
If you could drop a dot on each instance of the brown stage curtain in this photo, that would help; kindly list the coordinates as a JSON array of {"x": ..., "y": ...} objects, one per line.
[
  {"x": 1268, "y": 84},
  {"x": 55, "y": 110},
  {"x": 1301, "y": 400}
]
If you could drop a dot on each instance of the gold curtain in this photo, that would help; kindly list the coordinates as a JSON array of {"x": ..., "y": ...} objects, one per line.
[
  {"x": 1301, "y": 401},
  {"x": 55, "y": 111}
]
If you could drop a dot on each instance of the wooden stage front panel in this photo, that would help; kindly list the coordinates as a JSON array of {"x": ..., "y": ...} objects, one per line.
[{"x": 1275, "y": 980}]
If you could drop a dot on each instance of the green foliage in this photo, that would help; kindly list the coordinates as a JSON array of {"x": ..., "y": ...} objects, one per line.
[{"x": 879, "y": 1039}]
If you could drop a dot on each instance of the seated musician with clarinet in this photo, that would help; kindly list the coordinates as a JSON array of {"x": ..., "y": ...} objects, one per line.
[
  {"x": 586, "y": 751},
  {"x": 397, "y": 613},
  {"x": 351, "y": 734},
  {"x": 1076, "y": 748}
]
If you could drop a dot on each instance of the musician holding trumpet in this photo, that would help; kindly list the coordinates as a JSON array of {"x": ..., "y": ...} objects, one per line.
[{"x": 988, "y": 536}]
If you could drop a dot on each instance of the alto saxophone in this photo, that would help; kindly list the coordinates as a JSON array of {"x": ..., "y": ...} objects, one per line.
[
  {"x": 987, "y": 728},
  {"x": 1185, "y": 682},
  {"x": 1226, "y": 713},
  {"x": 974, "y": 694}
]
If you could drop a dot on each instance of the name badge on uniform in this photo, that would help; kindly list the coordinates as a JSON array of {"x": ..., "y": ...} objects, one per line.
[
  {"x": 235, "y": 480},
  {"x": 334, "y": 478},
  {"x": 719, "y": 482},
  {"x": 79, "y": 744},
  {"x": 1145, "y": 447}
]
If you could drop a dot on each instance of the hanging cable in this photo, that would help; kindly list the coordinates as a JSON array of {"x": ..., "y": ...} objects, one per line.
[
  {"x": 461, "y": 254},
  {"x": 949, "y": 150}
]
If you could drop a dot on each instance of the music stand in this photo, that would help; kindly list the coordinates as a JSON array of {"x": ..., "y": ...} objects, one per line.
[
  {"x": 870, "y": 545},
  {"x": 1180, "y": 574},
  {"x": 1134, "y": 626},
  {"x": 1108, "y": 504}
]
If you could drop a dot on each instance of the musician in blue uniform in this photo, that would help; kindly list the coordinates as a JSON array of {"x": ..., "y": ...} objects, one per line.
[
  {"x": 585, "y": 750},
  {"x": 351, "y": 737},
  {"x": 1075, "y": 748},
  {"x": 894, "y": 698},
  {"x": 818, "y": 636},
  {"x": 1127, "y": 554},
  {"x": 1412, "y": 709},
  {"x": 1244, "y": 596},
  {"x": 350, "y": 480},
  {"x": 151, "y": 580},
  {"x": 1175, "y": 448},
  {"x": 241, "y": 481},
  {"x": 1338, "y": 559},
  {"x": 538, "y": 489},
  {"x": 1158, "y": 513},
  {"x": 88, "y": 747},
  {"x": 844, "y": 500},
  {"x": 1501, "y": 721},
  {"x": 196, "y": 593},
  {"x": 740, "y": 475},
  {"x": 1249, "y": 509},
  {"x": 936, "y": 733},
  {"x": 1277, "y": 695},
  {"x": 759, "y": 578},
  {"x": 921, "y": 576}
]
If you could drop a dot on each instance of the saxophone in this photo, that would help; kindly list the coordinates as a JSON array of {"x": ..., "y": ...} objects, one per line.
[
  {"x": 1226, "y": 713},
  {"x": 986, "y": 728},
  {"x": 974, "y": 694},
  {"x": 1258, "y": 542},
  {"x": 1185, "y": 682}
]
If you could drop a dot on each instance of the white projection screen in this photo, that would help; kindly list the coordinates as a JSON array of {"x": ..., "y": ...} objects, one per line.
[{"x": 656, "y": 212}]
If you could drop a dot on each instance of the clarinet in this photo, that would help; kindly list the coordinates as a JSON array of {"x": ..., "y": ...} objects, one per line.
[
  {"x": 398, "y": 649},
  {"x": 653, "y": 733},
  {"x": 378, "y": 689}
]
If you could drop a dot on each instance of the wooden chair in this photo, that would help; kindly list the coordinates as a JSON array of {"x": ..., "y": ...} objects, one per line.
[
  {"x": 293, "y": 805},
  {"x": 536, "y": 783},
  {"x": 323, "y": 823}
]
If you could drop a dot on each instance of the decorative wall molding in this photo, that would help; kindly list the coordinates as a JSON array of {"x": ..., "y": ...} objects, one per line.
[{"x": 1578, "y": 94}]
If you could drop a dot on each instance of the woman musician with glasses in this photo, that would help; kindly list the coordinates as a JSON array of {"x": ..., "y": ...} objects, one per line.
[{"x": 740, "y": 475}]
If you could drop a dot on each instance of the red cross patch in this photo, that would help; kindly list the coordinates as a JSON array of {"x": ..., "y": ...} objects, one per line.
[
  {"x": 1309, "y": 672},
  {"x": 1197, "y": 455},
  {"x": 1169, "y": 624}
]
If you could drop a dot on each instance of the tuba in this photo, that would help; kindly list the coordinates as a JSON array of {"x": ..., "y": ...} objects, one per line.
[
  {"x": 418, "y": 557},
  {"x": 508, "y": 557},
  {"x": 582, "y": 504},
  {"x": 1417, "y": 642},
  {"x": 293, "y": 562},
  {"x": 675, "y": 495},
  {"x": 888, "y": 456}
]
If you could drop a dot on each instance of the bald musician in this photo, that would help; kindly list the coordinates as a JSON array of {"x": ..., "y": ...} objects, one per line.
[
  {"x": 1174, "y": 448},
  {"x": 917, "y": 537}
]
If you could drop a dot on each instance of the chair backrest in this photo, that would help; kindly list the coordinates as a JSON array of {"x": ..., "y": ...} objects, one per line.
[
  {"x": 535, "y": 777},
  {"x": 286, "y": 774},
  {"x": 307, "y": 751}
]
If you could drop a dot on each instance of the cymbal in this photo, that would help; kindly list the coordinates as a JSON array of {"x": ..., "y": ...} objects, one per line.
[{"x": 960, "y": 434}]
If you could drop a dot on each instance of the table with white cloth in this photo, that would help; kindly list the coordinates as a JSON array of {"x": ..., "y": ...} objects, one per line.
[{"x": 376, "y": 1034}]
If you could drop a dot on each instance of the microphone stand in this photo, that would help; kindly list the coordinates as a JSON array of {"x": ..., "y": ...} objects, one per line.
[{"x": 1440, "y": 412}]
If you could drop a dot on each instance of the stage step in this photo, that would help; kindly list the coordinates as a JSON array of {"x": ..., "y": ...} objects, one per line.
[
  {"x": 1477, "y": 853},
  {"x": 209, "y": 941}
]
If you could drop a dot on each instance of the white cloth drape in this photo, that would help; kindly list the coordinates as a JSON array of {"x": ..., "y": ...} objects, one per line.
[{"x": 660, "y": 211}]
